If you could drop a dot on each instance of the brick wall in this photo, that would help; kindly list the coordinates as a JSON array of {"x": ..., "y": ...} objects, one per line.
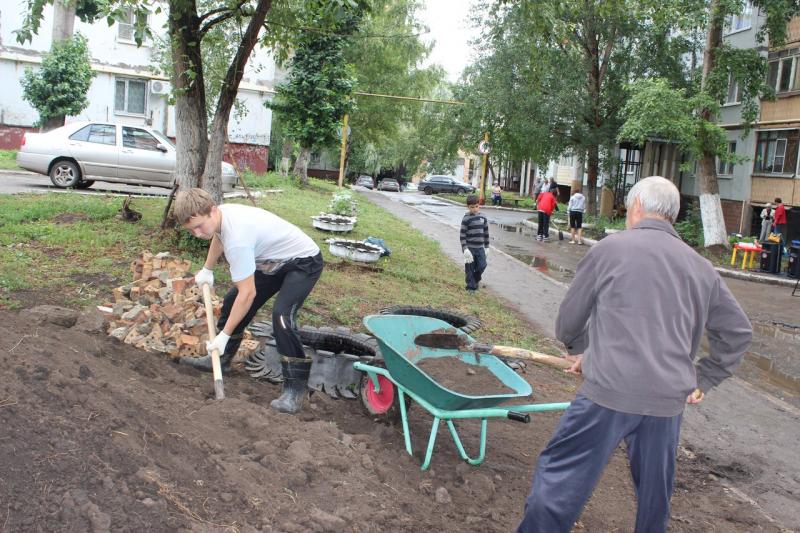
[{"x": 732, "y": 213}]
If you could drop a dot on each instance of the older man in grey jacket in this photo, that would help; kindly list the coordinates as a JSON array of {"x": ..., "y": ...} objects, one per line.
[{"x": 636, "y": 311}]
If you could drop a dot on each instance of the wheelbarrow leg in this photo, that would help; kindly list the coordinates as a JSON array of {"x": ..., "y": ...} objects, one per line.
[
  {"x": 431, "y": 442},
  {"x": 461, "y": 451},
  {"x": 404, "y": 417}
]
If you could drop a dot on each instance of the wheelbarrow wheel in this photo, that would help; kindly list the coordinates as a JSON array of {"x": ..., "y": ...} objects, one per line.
[
  {"x": 464, "y": 322},
  {"x": 383, "y": 405}
]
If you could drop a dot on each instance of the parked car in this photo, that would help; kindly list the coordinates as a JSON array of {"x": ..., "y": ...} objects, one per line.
[
  {"x": 365, "y": 181},
  {"x": 389, "y": 184},
  {"x": 433, "y": 184},
  {"x": 80, "y": 153},
  {"x": 410, "y": 187}
]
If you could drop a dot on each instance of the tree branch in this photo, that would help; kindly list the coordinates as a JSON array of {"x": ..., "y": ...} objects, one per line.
[
  {"x": 607, "y": 55},
  {"x": 225, "y": 14}
]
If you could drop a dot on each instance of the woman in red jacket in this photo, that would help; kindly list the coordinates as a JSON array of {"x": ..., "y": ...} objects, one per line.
[
  {"x": 779, "y": 219},
  {"x": 545, "y": 204}
]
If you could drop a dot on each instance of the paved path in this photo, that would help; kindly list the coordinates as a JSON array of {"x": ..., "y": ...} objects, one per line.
[{"x": 749, "y": 437}]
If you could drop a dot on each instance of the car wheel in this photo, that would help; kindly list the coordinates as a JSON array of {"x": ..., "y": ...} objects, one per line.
[
  {"x": 461, "y": 191},
  {"x": 65, "y": 174},
  {"x": 84, "y": 184},
  {"x": 427, "y": 190}
]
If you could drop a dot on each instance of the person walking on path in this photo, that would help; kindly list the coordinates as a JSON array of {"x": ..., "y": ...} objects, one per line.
[
  {"x": 545, "y": 204},
  {"x": 553, "y": 186},
  {"x": 766, "y": 222},
  {"x": 577, "y": 204},
  {"x": 474, "y": 243},
  {"x": 537, "y": 187},
  {"x": 636, "y": 311},
  {"x": 267, "y": 256}
]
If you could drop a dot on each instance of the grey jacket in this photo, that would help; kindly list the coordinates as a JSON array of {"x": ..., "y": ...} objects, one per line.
[{"x": 637, "y": 309}]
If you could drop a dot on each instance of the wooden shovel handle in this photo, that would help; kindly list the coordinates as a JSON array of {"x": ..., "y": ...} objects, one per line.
[
  {"x": 536, "y": 357},
  {"x": 219, "y": 390}
]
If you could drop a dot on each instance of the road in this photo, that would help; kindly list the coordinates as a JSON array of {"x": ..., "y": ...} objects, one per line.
[{"x": 748, "y": 436}]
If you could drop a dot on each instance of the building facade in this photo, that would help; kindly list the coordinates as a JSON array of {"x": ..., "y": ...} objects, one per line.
[{"x": 126, "y": 89}]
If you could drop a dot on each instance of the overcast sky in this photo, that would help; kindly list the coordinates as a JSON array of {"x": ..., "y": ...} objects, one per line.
[{"x": 449, "y": 27}]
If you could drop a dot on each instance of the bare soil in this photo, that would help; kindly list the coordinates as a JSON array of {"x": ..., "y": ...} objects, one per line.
[
  {"x": 461, "y": 377},
  {"x": 98, "y": 436}
]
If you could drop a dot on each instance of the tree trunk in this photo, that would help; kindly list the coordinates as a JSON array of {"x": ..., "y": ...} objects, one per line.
[
  {"x": 191, "y": 123},
  {"x": 63, "y": 28},
  {"x": 592, "y": 171},
  {"x": 212, "y": 175},
  {"x": 286, "y": 156},
  {"x": 301, "y": 165},
  {"x": 710, "y": 206}
]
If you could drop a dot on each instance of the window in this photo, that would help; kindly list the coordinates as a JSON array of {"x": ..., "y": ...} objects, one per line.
[
  {"x": 776, "y": 152},
  {"x": 741, "y": 21},
  {"x": 723, "y": 168},
  {"x": 566, "y": 160},
  {"x": 130, "y": 96},
  {"x": 734, "y": 91},
  {"x": 139, "y": 139},
  {"x": 783, "y": 73},
  {"x": 96, "y": 133},
  {"x": 125, "y": 31}
]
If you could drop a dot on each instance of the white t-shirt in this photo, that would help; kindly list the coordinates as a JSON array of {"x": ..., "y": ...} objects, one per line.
[{"x": 250, "y": 235}]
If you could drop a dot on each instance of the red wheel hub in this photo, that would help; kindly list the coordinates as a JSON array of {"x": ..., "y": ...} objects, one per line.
[{"x": 379, "y": 402}]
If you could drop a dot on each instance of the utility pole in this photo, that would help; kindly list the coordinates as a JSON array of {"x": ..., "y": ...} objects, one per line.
[
  {"x": 484, "y": 148},
  {"x": 344, "y": 149}
]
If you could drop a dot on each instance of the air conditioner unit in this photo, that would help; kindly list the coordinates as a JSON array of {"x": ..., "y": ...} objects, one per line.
[{"x": 159, "y": 87}]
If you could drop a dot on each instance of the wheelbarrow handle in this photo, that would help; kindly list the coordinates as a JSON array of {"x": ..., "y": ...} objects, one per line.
[
  {"x": 525, "y": 418},
  {"x": 536, "y": 357}
]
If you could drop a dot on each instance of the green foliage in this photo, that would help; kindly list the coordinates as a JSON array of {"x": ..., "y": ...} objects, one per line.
[
  {"x": 318, "y": 91},
  {"x": 343, "y": 203},
  {"x": 8, "y": 160},
  {"x": 691, "y": 227},
  {"x": 59, "y": 87}
]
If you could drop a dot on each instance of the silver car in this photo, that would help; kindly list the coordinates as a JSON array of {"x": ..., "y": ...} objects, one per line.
[{"x": 80, "y": 153}]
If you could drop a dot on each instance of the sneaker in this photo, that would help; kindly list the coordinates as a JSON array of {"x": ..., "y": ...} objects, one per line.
[
  {"x": 546, "y": 239},
  {"x": 538, "y": 237},
  {"x": 580, "y": 242},
  {"x": 572, "y": 242}
]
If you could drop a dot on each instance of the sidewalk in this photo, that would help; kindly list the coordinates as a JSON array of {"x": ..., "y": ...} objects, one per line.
[{"x": 740, "y": 428}]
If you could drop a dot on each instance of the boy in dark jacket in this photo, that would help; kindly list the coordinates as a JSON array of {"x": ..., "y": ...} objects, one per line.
[{"x": 474, "y": 243}]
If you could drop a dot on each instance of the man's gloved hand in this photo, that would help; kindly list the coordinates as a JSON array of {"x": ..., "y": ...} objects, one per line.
[
  {"x": 468, "y": 256},
  {"x": 486, "y": 253},
  {"x": 204, "y": 275},
  {"x": 219, "y": 342}
]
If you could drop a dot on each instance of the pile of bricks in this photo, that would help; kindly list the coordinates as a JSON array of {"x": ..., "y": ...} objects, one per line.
[{"x": 162, "y": 309}]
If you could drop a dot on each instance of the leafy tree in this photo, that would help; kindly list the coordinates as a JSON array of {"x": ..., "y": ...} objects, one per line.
[
  {"x": 318, "y": 91},
  {"x": 59, "y": 87},
  {"x": 690, "y": 117},
  {"x": 553, "y": 75}
]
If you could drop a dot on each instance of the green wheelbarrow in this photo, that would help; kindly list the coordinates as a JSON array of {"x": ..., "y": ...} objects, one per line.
[{"x": 396, "y": 334}]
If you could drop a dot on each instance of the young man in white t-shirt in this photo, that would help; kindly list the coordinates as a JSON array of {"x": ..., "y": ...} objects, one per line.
[{"x": 267, "y": 256}]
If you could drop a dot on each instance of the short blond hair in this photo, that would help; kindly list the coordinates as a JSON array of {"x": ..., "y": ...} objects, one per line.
[{"x": 192, "y": 203}]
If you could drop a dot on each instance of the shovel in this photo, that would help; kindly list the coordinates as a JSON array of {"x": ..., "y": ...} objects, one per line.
[
  {"x": 453, "y": 341},
  {"x": 219, "y": 390}
]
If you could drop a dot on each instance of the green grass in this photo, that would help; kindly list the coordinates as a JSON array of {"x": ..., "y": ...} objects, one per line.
[
  {"x": 8, "y": 160},
  {"x": 73, "y": 246}
]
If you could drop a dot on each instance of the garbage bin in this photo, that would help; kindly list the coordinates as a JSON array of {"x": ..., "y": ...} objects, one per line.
[
  {"x": 793, "y": 268},
  {"x": 771, "y": 257}
]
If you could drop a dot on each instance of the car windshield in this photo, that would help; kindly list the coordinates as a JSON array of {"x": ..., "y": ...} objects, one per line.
[{"x": 163, "y": 138}]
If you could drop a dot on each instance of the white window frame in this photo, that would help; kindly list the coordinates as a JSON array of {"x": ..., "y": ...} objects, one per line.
[
  {"x": 733, "y": 84},
  {"x": 745, "y": 19},
  {"x": 779, "y": 77},
  {"x": 123, "y": 25},
  {"x": 125, "y": 111},
  {"x": 726, "y": 169}
]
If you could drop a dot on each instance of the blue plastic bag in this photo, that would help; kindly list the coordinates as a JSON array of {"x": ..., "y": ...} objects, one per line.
[{"x": 379, "y": 243}]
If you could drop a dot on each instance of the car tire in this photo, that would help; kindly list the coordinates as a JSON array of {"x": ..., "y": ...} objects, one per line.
[
  {"x": 65, "y": 174},
  {"x": 461, "y": 191},
  {"x": 464, "y": 322},
  {"x": 84, "y": 184},
  {"x": 427, "y": 190}
]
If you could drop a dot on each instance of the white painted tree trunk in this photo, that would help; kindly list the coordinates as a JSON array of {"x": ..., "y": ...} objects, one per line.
[
  {"x": 286, "y": 156},
  {"x": 713, "y": 221},
  {"x": 301, "y": 164}
]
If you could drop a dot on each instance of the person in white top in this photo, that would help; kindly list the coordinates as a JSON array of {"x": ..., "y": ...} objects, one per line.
[
  {"x": 267, "y": 256},
  {"x": 577, "y": 204}
]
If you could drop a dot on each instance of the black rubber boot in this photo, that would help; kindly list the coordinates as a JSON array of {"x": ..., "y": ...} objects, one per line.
[
  {"x": 204, "y": 363},
  {"x": 295, "y": 384}
]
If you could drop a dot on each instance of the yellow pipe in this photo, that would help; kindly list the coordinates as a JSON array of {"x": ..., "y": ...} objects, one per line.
[
  {"x": 344, "y": 149},
  {"x": 481, "y": 198}
]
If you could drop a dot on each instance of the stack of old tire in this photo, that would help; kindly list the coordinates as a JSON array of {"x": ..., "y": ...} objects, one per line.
[{"x": 335, "y": 348}]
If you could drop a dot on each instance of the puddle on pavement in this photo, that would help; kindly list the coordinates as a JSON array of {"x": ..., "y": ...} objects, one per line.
[
  {"x": 540, "y": 263},
  {"x": 517, "y": 228}
]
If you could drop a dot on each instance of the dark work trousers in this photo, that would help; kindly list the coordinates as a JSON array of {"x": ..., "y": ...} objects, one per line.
[
  {"x": 473, "y": 271},
  {"x": 544, "y": 224},
  {"x": 293, "y": 283},
  {"x": 579, "y": 450}
]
